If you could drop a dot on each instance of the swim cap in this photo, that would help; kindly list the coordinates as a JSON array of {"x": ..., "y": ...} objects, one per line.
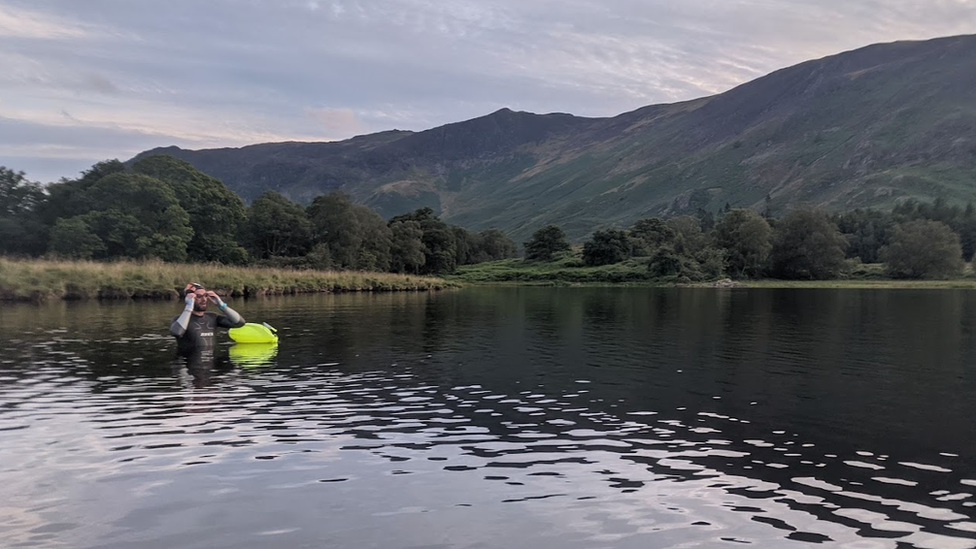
[{"x": 193, "y": 287}]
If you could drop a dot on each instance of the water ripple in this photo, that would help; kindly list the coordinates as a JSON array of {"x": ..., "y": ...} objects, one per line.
[{"x": 323, "y": 452}]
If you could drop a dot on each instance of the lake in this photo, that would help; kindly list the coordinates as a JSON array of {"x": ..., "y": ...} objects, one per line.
[{"x": 498, "y": 417}]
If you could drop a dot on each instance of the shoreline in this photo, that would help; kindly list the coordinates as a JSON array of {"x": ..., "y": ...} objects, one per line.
[
  {"x": 40, "y": 280},
  {"x": 770, "y": 284},
  {"x": 766, "y": 283},
  {"x": 569, "y": 272},
  {"x": 854, "y": 284}
]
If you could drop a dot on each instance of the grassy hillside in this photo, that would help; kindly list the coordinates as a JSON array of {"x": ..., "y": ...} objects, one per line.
[{"x": 863, "y": 128}]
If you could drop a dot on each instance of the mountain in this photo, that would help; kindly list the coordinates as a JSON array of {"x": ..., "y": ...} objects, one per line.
[{"x": 865, "y": 128}]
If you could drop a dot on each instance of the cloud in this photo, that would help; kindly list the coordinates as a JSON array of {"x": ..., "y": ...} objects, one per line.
[
  {"x": 229, "y": 73},
  {"x": 101, "y": 84},
  {"x": 171, "y": 124},
  {"x": 342, "y": 122},
  {"x": 24, "y": 23}
]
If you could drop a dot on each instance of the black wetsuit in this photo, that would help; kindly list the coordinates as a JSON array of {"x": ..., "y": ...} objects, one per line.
[{"x": 200, "y": 332}]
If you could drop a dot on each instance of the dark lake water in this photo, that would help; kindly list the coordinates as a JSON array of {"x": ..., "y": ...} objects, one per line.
[{"x": 508, "y": 418}]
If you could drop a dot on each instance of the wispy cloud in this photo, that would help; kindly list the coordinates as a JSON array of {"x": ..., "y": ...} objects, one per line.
[
  {"x": 24, "y": 23},
  {"x": 228, "y": 73},
  {"x": 342, "y": 122}
]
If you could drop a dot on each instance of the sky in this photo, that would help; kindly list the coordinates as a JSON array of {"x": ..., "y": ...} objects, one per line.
[{"x": 84, "y": 81}]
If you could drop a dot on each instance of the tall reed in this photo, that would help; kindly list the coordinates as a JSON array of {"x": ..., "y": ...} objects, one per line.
[{"x": 42, "y": 279}]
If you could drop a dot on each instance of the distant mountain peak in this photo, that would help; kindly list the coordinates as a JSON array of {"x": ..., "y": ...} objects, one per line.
[{"x": 864, "y": 128}]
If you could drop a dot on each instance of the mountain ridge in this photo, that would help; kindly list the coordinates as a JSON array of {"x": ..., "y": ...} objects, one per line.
[{"x": 864, "y": 128}]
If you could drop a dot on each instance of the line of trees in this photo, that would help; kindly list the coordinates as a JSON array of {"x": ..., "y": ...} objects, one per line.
[
  {"x": 915, "y": 240},
  {"x": 162, "y": 207}
]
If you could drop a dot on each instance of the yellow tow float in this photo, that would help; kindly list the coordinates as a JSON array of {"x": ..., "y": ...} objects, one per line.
[{"x": 254, "y": 333}]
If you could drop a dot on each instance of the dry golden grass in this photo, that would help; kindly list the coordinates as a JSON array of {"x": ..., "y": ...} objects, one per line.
[{"x": 42, "y": 279}]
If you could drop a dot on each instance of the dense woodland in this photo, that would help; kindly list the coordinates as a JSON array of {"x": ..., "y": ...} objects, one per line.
[{"x": 163, "y": 208}]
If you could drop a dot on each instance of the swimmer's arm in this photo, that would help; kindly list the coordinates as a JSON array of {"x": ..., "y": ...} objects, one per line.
[
  {"x": 233, "y": 318},
  {"x": 178, "y": 326}
]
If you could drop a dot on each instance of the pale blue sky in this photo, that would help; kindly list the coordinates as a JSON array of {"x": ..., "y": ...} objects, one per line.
[{"x": 82, "y": 81}]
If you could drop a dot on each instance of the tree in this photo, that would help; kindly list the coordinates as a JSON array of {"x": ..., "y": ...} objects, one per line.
[
  {"x": 866, "y": 232},
  {"x": 374, "y": 253},
  {"x": 276, "y": 226},
  {"x": 319, "y": 257},
  {"x": 607, "y": 247},
  {"x": 465, "y": 245},
  {"x": 137, "y": 216},
  {"x": 711, "y": 263},
  {"x": 72, "y": 238},
  {"x": 665, "y": 263},
  {"x": 420, "y": 215},
  {"x": 440, "y": 248},
  {"x": 407, "y": 247},
  {"x": 216, "y": 213},
  {"x": 688, "y": 236},
  {"x": 132, "y": 215},
  {"x": 707, "y": 264},
  {"x": 650, "y": 234},
  {"x": 747, "y": 240},
  {"x": 20, "y": 231},
  {"x": 100, "y": 170},
  {"x": 68, "y": 197},
  {"x": 546, "y": 242},
  {"x": 923, "y": 249},
  {"x": 706, "y": 218},
  {"x": 18, "y": 196},
  {"x": 492, "y": 245},
  {"x": 699, "y": 259},
  {"x": 967, "y": 232},
  {"x": 806, "y": 244},
  {"x": 439, "y": 241},
  {"x": 767, "y": 210},
  {"x": 356, "y": 236},
  {"x": 335, "y": 224}
]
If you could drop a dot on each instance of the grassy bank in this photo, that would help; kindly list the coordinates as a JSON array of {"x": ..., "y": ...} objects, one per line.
[
  {"x": 566, "y": 271},
  {"x": 569, "y": 271},
  {"x": 39, "y": 280}
]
